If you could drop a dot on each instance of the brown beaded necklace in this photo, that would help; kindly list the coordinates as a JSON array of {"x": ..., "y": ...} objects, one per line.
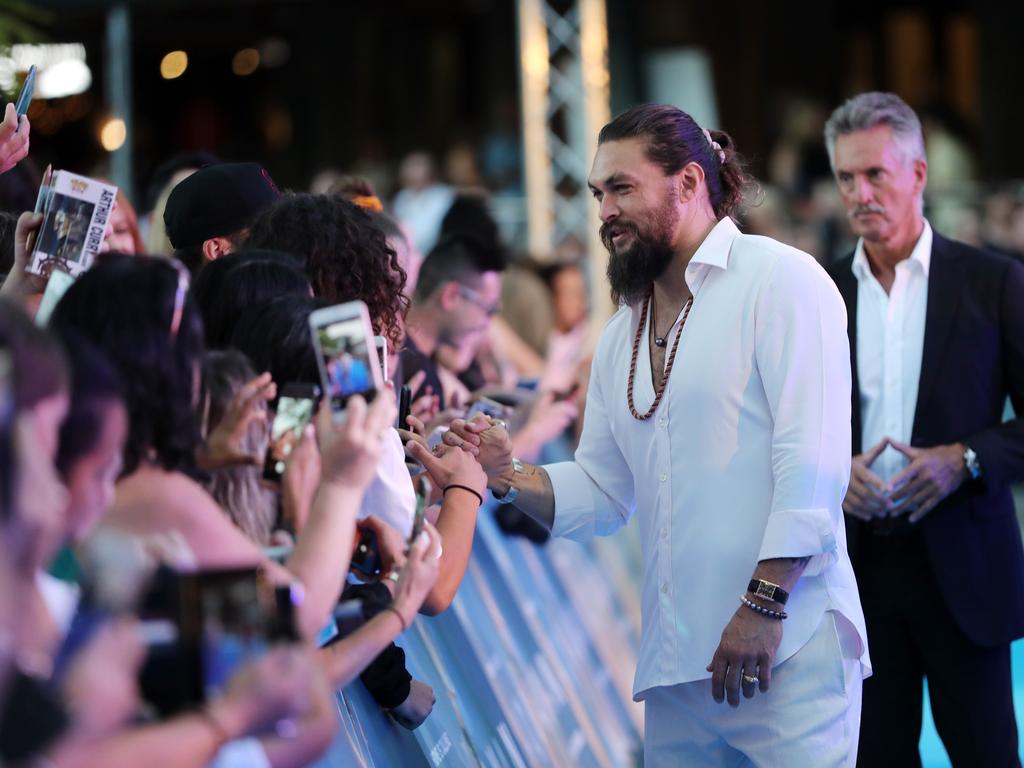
[{"x": 668, "y": 367}]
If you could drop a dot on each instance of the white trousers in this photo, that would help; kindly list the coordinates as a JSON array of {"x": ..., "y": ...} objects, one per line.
[{"x": 809, "y": 718}]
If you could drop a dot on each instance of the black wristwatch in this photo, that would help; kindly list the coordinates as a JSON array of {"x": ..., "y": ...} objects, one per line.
[{"x": 768, "y": 591}]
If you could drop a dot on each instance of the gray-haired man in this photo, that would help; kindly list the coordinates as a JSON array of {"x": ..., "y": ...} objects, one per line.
[{"x": 937, "y": 342}]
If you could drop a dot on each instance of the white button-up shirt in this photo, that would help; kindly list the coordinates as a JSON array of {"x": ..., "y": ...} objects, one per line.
[
  {"x": 747, "y": 457},
  {"x": 890, "y": 342}
]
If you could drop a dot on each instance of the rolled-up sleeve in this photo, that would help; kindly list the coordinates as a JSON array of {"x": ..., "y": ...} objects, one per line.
[
  {"x": 594, "y": 494},
  {"x": 803, "y": 356}
]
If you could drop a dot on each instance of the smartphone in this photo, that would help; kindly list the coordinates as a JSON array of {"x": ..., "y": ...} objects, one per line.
[
  {"x": 28, "y": 89},
  {"x": 295, "y": 408},
  {"x": 381, "y": 343},
  {"x": 366, "y": 559},
  {"x": 489, "y": 407},
  {"x": 404, "y": 406},
  {"x": 345, "y": 353},
  {"x": 230, "y": 617},
  {"x": 417, "y": 522}
]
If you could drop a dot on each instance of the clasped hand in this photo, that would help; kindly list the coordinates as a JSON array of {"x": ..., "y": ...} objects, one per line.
[{"x": 932, "y": 475}]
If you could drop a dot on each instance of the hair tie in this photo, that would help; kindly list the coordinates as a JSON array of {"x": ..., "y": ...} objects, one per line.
[
  {"x": 715, "y": 146},
  {"x": 369, "y": 202}
]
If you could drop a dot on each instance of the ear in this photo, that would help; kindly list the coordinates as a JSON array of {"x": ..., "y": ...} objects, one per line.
[
  {"x": 691, "y": 177},
  {"x": 920, "y": 176},
  {"x": 448, "y": 296},
  {"x": 216, "y": 247}
]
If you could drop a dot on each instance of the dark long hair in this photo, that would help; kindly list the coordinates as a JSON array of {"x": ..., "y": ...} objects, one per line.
[
  {"x": 345, "y": 254},
  {"x": 275, "y": 337},
  {"x": 126, "y": 306},
  {"x": 225, "y": 288},
  {"x": 674, "y": 139}
]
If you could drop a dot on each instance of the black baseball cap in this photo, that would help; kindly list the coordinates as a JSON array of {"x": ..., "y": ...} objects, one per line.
[{"x": 217, "y": 201}]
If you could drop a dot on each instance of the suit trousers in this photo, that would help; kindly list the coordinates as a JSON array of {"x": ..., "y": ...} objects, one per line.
[
  {"x": 912, "y": 636},
  {"x": 809, "y": 717}
]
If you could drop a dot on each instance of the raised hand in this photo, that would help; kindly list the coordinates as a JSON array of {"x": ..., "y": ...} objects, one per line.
[{"x": 225, "y": 446}]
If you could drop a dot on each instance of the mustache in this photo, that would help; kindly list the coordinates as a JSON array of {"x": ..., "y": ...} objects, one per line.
[
  {"x": 610, "y": 229},
  {"x": 869, "y": 208}
]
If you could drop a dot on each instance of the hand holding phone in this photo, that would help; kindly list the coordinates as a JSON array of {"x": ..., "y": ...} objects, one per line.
[
  {"x": 345, "y": 352},
  {"x": 295, "y": 409}
]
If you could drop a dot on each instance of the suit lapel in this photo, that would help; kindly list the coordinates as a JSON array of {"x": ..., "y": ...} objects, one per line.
[
  {"x": 943, "y": 303},
  {"x": 846, "y": 281}
]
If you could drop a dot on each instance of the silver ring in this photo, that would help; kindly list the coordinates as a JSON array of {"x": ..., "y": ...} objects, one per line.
[
  {"x": 391, "y": 576},
  {"x": 750, "y": 679},
  {"x": 501, "y": 423}
]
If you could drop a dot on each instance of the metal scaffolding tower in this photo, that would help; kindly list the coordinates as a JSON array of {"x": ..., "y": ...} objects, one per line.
[{"x": 563, "y": 64}]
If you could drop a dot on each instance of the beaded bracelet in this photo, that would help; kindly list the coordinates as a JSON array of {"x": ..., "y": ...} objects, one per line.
[{"x": 779, "y": 615}]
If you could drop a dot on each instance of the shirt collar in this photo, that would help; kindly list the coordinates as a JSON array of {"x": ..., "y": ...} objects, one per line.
[
  {"x": 713, "y": 252},
  {"x": 922, "y": 254}
]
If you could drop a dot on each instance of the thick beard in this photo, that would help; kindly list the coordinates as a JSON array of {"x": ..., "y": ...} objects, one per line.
[{"x": 631, "y": 272}]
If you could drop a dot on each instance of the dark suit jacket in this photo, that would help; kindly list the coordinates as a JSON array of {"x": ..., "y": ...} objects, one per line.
[{"x": 973, "y": 358}]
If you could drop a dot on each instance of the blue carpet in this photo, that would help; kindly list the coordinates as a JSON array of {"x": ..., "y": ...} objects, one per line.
[{"x": 933, "y": 754}]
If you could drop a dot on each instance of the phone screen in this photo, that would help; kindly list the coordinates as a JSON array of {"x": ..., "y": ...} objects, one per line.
[
  {"x": 234, "y": 616},
  {"x": 346, "y": 360},
  {"x": 294, "y": 412}
]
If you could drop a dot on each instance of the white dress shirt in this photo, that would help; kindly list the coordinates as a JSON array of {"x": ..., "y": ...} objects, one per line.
[
  {"x": 890, "y": 342},
  {"x": 746, "y": 459}
]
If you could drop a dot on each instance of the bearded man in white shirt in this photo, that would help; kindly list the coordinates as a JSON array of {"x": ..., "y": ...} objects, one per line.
[{"x": 719, "y": 411}]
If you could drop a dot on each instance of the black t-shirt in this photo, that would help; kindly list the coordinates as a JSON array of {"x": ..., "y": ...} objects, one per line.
[{"x": 414, "y": 361}]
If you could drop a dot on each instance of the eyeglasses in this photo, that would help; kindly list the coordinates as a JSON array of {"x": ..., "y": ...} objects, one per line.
[{"x": 474, "y": 297}]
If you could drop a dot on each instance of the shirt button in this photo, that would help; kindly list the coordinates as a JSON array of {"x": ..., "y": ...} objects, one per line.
[
  {"x": 663, "y": 477},
  {"x": 664, "y": 588},
  {"x": 664, "y": 534},
  {"x": 662, "y": 421}
]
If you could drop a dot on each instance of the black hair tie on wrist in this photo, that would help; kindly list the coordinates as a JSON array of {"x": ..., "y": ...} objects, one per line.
[{"x": 465, "y": 488}]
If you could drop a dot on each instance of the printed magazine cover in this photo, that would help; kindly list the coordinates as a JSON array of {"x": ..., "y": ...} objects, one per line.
[{"x": 75, "y": 212}]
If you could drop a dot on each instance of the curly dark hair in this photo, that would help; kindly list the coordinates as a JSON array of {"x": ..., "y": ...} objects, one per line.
[
  {"x": 345, "y": 254},
  {"x": 674, "y": 139},
  {"x": 125, "y": 305}
]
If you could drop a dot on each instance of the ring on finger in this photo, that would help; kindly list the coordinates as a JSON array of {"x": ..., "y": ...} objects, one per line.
[{"x": 750, "y": 679}]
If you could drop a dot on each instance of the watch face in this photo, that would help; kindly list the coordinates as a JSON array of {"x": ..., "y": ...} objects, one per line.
[{"x": 766, "y": 591}]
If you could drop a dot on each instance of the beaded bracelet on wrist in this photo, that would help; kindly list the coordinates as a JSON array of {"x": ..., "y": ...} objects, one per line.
[{"x": 778, "y": 615}]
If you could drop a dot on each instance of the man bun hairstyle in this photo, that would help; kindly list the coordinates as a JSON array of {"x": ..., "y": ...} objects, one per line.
[{"x": 674, "y": 139}]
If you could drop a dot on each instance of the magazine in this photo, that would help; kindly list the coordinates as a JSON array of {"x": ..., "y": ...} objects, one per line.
[{"x": 75, "y": 213}]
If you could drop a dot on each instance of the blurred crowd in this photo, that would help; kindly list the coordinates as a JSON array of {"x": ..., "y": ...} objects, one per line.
[{"x": 178, "y": 577}]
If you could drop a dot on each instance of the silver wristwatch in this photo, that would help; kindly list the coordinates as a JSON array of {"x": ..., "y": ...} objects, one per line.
[
  {"x": 512, "y": 493},
  {"x": 971, "y": 462}
]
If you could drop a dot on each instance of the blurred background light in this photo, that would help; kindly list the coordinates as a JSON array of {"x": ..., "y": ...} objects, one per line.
[
  {"x": 245, "y": 62},
  {"x": 113, "y": 134},
  {"x": 173, "y": 65}
]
